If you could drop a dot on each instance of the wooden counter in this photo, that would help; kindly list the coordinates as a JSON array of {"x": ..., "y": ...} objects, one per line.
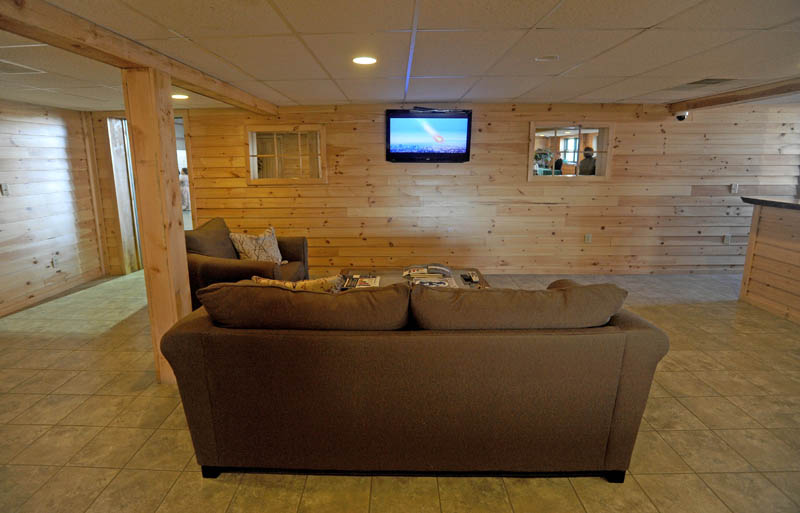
[{"x": 771, "y": 277}]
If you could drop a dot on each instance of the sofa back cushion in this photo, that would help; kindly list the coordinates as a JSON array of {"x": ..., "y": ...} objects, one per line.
[
  {"x": 497, "y": 309},
  {"x": 246, "y": 304},
  {"x": 212, "y": 239}
]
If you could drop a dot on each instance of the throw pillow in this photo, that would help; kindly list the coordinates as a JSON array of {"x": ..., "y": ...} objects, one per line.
[
  {"x": 212, "y": 239},
  {"x": 328, "y": 284},
  {"x": 263, "y": 248}
]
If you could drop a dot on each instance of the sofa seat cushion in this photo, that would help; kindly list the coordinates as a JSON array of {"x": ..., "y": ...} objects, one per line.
[
  {"x": 291, "y": 271},
  {"x": 212, "y": 239},
  {"x": 498, "y": 309},
  {"x": 246, "y": 304}
]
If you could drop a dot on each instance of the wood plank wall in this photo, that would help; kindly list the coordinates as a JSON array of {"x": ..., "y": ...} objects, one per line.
[
  {"x": 773, "y": 278},
  {"x": 665, "y": 207},
  {"x": 49, "y": 209}
]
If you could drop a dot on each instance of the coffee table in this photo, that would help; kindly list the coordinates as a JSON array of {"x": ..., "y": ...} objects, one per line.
[{"x": 392, "y": 276}]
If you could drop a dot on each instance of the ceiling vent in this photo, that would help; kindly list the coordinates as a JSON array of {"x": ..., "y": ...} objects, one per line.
[
  {"x": 11, "y": 68},
  {"x": 698, "y": 84}
]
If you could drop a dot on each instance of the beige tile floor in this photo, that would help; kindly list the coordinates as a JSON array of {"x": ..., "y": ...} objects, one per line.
[{"x": 84, "y": 426}]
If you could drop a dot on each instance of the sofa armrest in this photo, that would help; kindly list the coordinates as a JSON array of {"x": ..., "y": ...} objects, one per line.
[
  {"x": 295, "y": 249},
  {"x": 183, "y": 347},
  {"x": 645, "y": 346},
  {"x": 206, "y": 270}
]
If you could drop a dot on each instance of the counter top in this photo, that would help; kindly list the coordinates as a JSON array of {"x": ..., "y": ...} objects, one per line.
[{"x": 772, "y": 202}]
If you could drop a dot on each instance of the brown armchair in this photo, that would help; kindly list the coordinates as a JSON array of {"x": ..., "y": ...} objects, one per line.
[{"x": 212, "y": 258}]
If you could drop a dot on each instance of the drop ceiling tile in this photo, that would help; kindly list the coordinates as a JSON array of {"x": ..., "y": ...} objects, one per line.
[
  {"x": 94, "y": 93},
  {"x": 196, "y": 56},
  {"x": 267, "y": 58},
  {"x": 460, "y": 53},
  {"x": 563, "y": 88},
  {"x": 9, "y": 39},
  {"x": 651, "y": 49},
  {"x": 571, "y": 46},
  {"x": 735, "y": 14},
  {"x": 759, "y": 52},
  {"x": 363, "y": 90},
  {"x": 116, "y": 16},
  {"x": 626, "y": 88},
  {"x": 439, "y": 89},
  {"x": 212, "y": 18},
  {"x": 309, "y": 92},
  {"x": 45, "y": 80},
  {"x": 56, "y": 60},
  {"x": 263, "y": 91},
  {"x": 336, "y": 52},
  {"x": 500, "y": 88},
  {"x": 483, "y": 14},
  {"x": 614, "y": 14},
  {"x": 337, "y": 16},
  {"x": 54, "y": 99}
]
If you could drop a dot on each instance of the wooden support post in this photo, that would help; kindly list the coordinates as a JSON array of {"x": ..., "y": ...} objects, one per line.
[{"x": 148, "y": 108}]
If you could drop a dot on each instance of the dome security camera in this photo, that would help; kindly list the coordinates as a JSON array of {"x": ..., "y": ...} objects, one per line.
[{"x": 681, "y": 116}]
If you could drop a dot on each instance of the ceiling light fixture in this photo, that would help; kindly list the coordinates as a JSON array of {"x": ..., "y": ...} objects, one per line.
[
  {"x": 546, "y": 58},
  {"x": 180, "y": 97},
  {"x": 365, "y": 60}
]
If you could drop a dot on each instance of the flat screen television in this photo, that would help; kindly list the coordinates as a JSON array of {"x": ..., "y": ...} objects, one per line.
[{"x": 428, "y": 135}]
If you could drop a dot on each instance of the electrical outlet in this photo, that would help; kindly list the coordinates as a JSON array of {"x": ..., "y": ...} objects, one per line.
[
  {"x": 4, "y": 189},
  {"x": 734, "y": 188},
  {"x": 727, "y": 238},
  {"x": 587, "y": 238}
]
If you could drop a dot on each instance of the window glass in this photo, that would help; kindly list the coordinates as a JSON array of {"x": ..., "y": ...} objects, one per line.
[
  {"x": 285, "y": 155},
  {"x": 564, "y": 150}
]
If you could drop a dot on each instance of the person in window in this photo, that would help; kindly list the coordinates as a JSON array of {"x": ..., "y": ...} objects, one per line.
[
  {"x": 587, "y": 165},
  {"x": 183, "y": 180},
  {"x": 559, "y": 162}
]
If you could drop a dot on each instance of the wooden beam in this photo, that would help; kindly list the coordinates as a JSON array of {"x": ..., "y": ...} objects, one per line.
[
  {"x": 151, "y": 129},
  {"x": 39, "y": 20},
  {"x": 781, "y": 88}
]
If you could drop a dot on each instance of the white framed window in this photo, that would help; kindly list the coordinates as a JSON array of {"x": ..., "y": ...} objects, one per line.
[{"x": 286, "y": 154}]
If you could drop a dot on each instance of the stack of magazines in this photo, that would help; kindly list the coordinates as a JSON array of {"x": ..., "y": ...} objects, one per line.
[
  {"x": 431, "y": 275},
  {"x": 357, "y": 281}
]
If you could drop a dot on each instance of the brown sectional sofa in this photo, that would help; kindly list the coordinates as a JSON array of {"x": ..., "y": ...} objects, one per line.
[{"x": 455, "y": 401}]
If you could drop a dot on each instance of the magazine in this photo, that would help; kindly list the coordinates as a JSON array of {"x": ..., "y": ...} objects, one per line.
[
  {"x": 426, "y": 271},
  {"x": 435, "y": 282},
  {"x": 357, "y": 281}
]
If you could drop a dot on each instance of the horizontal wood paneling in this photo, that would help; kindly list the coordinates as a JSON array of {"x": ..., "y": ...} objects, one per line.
[
  {"x": 772, "y": 276},
  {"x": 665, "y": 207},
  {"x": 49, "y": 211}
]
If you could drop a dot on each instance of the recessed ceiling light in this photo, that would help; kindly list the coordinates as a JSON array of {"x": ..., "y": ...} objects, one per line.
[
  {"x": 365, "y": 60},
  {"x": 180, "y": 97},
  {"x": 546, "y": 58}
]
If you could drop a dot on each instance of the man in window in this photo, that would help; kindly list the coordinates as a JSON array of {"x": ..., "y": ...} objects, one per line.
[
  {"x": 587, "y": 165},
  {"x": 559, "y": 162}
]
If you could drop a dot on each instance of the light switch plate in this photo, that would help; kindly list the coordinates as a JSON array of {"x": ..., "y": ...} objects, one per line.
[
  {"x": 734, "y": 188},
  {"x": 4, "y": 189},
  {"x": 727, "y": 238},
  {"x": 587, "y": 238}
]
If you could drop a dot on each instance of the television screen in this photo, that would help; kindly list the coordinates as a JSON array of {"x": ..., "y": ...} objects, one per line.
[{"x": 428, "y": 135}]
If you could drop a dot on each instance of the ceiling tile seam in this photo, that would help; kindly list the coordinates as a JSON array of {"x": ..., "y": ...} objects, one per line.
[
  {"x": 510, "y": 47},
  {"x": 299, "y": 37},
  {"x": 181, "y": 36},
  {"x": 411, "y": 45}
]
